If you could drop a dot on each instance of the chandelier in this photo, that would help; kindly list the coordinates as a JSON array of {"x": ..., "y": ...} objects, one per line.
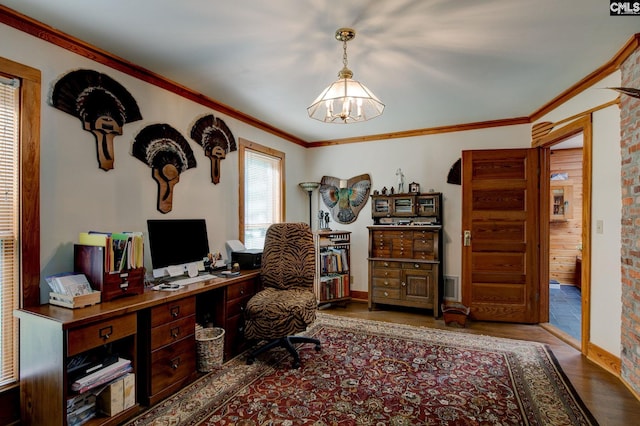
[{"x": 345, "y": 100}]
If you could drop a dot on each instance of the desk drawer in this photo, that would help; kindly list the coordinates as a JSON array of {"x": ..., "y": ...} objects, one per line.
[
  {"x": 386, "y": 273},
  {"x": 172, "y": 363},
  {"x": 94, "y": 335},
  {"x": 382, "y": 294},
  {"x": 172, "y": 311},
  {"x": 384, "y": 283},
  {"x": 172, "y": 332},
  {"x": 415, "y": 266},
  {"x": 240, "y": 289},
  {"x": 386, "y": 264},
  {"x": 236, "y": 306}
]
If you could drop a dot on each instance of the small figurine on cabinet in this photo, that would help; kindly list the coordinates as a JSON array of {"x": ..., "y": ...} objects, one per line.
[{"x": 400, "y": 181}]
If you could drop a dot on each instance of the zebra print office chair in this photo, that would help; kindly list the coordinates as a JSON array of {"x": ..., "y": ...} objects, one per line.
[{"x": 286, "y": 305}]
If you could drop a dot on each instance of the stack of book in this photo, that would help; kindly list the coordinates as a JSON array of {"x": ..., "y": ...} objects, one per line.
[
  {"x": 102, "y": 375},
  {"x": 123, "y": 250},
  {"x": 89, "y": 379}
]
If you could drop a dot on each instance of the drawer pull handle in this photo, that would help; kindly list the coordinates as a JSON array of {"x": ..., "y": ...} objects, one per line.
[
  {"x": 404, "y": 284},
  {"x": 106, "y": 332},
  {"x": 386, "y": 283},
  {"x": 175, "y": 363},
  {"x": 386, "y": 274},
  {"x": 416, "y": 265},
  {"x": 175, "y": 332},
  {"x": 386, "y": 264},
  {"x": 386, "y": 294},
  {"x": 175, "y": 311}
]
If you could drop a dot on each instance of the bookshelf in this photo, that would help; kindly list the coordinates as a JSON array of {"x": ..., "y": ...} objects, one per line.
[{"x": 333, "y": 259}]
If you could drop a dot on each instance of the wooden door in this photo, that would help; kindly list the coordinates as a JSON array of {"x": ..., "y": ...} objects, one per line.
[{"x": 500, "y": 226}]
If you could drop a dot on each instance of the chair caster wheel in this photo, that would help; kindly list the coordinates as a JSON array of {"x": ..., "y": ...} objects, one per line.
[
  {"x": 250, "y": 360},
  {"x": 317, "y": 348},
  {"x": 295, "y": 365}
]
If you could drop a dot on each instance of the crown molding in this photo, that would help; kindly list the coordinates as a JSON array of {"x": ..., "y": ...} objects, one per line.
[{"x": 38, "y": 29}]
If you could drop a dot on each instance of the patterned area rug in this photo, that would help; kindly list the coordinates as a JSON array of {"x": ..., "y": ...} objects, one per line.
[{"x": 376, "y": 373}]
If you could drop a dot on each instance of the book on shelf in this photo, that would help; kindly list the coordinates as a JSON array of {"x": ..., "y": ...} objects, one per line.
[
  {"x": 334, "y": 260},
  {"x": 334, "y": 286},
  {"x": 122, "y": 250}
]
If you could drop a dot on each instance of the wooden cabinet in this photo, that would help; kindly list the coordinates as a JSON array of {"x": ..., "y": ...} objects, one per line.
[
  {"x": 49, "y": 347},
  {"x": 333, "y": 259},
  {"x": 404, "y": 266},
  {"x": 401, "y": 208},
  {"x": 168, "y": 346},
  {"x": 561, "y": 202},
  {"x": 411, "y": 284},
  {"x": 405, "y": 251}
]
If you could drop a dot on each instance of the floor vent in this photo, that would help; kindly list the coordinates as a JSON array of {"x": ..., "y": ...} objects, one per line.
[{"x": 451, "y": 288}]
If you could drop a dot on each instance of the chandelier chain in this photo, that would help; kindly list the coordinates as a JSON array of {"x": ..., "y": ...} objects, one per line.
[{"x": 344, "y": 54}]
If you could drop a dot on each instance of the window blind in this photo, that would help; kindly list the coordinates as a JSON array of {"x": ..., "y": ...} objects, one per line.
[
  {"x": 262, "y": 196},
  {"x": 9, "y": 229}
]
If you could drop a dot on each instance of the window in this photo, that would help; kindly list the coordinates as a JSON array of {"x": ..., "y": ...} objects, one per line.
[
  {"x": 9, "y": 110},
  {"x": 261, "y": 191},
  {"x": 19, "y": 204}
]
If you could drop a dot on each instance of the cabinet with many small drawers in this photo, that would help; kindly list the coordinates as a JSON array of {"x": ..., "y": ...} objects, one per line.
[
  {"x": 170, "y": 347},
  {"x": 405, "y": 266}
]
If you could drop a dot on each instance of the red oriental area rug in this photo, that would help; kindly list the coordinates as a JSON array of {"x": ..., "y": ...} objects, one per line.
[{"x": 375, "y": 373}]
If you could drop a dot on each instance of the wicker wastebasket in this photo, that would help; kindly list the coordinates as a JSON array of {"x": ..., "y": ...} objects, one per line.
[{"x": 209, "y": 348}]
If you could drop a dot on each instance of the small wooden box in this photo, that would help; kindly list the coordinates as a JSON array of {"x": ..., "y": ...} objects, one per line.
[
  {"x": 89, "y": 260},
  {"x": 74, "y": 302}
]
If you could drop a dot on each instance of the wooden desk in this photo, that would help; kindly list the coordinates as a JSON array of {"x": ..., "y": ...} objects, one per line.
[{"x": 133, "y": 326}]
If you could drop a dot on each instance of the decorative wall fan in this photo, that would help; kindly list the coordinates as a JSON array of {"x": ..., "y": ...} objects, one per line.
[
  {"x": 345, "y": 198},
  {"x": 213, "y": 135},
  {"x": 168, "y": 153},
  {"x": 102, "y": 105}
]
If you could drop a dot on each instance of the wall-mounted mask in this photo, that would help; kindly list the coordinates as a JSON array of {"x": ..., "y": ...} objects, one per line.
[
  {"x": 102, "y": 105},
  {"x": 168, "y": 153},
  {"x": 213, "y": 135}
]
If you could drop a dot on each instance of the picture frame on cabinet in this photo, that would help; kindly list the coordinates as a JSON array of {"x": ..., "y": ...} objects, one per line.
[{"x": 414, "y": 187}]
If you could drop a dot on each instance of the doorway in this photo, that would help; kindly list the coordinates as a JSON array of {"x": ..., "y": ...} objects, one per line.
[
  {"x": 579, "y": 130},
  {"x": 565, "y": 237}
]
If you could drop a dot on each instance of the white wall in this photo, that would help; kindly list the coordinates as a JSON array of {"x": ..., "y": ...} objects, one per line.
[
  {"x": 77, "y": 196},
  {"x": 425, "y": 160},
  {"x": 606, "y": 205}
]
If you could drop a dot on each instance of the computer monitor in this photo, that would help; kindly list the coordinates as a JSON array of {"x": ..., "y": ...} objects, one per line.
[{"x": 175, "y": 242}]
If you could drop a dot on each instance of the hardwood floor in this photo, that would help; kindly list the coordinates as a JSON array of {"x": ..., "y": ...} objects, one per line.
[{"x": 605, "y": 395}]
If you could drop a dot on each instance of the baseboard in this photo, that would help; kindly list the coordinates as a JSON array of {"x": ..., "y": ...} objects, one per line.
[
  {"x": 604, "y": 359},
  {"x": 360, "y": 295}
]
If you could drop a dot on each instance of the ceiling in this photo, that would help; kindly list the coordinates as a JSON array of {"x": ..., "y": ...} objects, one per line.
[{"x": 431, "y": 62}]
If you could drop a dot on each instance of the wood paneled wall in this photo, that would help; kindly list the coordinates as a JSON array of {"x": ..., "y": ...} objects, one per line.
[{"x": 566, "y": 236}]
